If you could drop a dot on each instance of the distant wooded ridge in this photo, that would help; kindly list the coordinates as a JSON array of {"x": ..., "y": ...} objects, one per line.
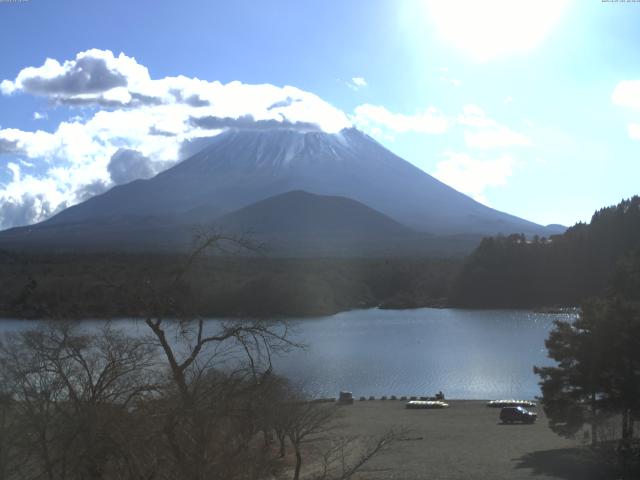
[
  {"x": 503, "y": 272},
  {"x": 110, "y": 285},
  {"x": 515, "y": 272}
]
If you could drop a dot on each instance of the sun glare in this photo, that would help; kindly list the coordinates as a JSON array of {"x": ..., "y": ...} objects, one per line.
[{"x": 490, "y": 29}]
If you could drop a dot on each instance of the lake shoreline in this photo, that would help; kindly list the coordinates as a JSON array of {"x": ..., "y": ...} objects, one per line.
[
  {"x": 461, "y": 442},
  {"x": 467, "y": 354},
  {"x": 274, "y": 318}
]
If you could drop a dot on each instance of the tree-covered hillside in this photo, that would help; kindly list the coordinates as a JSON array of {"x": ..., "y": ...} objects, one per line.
[
  {"x": 110, "y": 285},
  {"x": 562, "y": 270}
]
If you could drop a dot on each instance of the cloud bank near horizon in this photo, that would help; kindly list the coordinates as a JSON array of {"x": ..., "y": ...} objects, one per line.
[
  {"x": 626, "y": 94},
  {"x": 124, "y": 125}
]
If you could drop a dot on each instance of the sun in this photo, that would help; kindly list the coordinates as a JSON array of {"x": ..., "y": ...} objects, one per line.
[{"x": 489, "y": 29}]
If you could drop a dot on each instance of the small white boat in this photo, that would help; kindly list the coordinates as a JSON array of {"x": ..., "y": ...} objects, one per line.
[
  {"x": 424, "y": 404},
  {"x": 511, "y": 403}
]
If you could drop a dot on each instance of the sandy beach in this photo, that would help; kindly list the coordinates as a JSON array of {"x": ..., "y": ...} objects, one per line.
[{"x": 464, "y": 441}]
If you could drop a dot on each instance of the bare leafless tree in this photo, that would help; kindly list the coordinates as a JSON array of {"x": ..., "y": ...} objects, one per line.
[
  {"x": 6, "y": 404},
  {"x": 190, "y": 399},
  {"x": 71, "y": 395},
  {"x": 313, "y": 429},
  {"x": 215, "y": 370},
  {"x": 308, "y": 422},
  {"x": 344, "y": 456}
]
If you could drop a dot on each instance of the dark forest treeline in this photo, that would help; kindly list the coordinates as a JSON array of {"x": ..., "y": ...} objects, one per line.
[
  {"x": 508, "y": 272},
  {"x": 107, "y": 286},
  {"x": 503, "y": 272}
]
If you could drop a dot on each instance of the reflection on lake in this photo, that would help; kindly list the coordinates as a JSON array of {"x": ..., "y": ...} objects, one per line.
[
  {"x": 465, "y": 353},
  {"x": 478, "y": 354}
]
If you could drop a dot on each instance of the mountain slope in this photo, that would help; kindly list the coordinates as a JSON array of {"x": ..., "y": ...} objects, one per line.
[
  {"x": 302, "y": 213},
  {"x": 296, "y": 223},
  {"x": 299, "y": 222},
  {"x": 114, "y": 233},
  {"x": 383, "y": 196},
  {"x": 241, "y": 167}
]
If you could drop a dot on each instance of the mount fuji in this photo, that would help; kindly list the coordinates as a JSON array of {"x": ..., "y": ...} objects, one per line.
[{"x": 323, "y": 184}]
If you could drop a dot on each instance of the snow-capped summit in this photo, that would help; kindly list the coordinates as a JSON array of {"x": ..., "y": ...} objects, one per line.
[{"x": 243, "y": 166}]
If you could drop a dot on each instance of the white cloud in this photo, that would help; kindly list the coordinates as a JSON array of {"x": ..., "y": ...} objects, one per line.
[
  {"x": 38, "y": 144},
  {"x": 359, "y": 82},
  {"x": 39, "y": 116},
  {"x": 446, "y": 78},
  {"x": 98, "y": 77},
  {"x": 156, "y": 118},
  {"x": 627, "y": 94},
  {"x": 14, "y": 168},
  {"x": 65, "y": 163},
  {"x": 634, "y": 131},
  {"x": 473, "y": 116},
  {"x": 368, "y": 117},
  {"x": 84, "y": 79},
  {"x": 485, "y": 133},
  {"x": 22, "y": 210},
  {"x": 152, "y": 117},
  {"x": 473, "y": 176},
  {"x": 454, "y": 82},
  {"x": 480, "y": 131},
  {"x": 7, "y": 87},
  {"x": 495, "y": 137},
  {"x": 490, "y": 29}
]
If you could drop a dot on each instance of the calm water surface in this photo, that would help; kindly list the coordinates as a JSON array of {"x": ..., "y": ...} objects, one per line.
[{"x": 478, "y": 354}]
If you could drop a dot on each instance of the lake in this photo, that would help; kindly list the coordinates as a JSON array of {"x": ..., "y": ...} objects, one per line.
[{"x": 468, "y": 354}]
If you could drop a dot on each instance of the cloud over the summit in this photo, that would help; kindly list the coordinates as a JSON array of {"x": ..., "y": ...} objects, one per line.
[
  {"x": 99, "y": 78},
  {"x": 127, "y": 165},
  {"x": 137, "y": 127},
  {"x": 248, "y": 122},
  {"x": 287, "y": 102}
]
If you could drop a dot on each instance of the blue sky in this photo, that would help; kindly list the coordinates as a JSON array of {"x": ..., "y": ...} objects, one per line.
[{"x": 532, "y": 108}]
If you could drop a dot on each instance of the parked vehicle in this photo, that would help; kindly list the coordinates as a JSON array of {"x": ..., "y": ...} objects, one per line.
[
  {"x": 345, "y": 398},
  {"x": 517, "y": 414}
]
